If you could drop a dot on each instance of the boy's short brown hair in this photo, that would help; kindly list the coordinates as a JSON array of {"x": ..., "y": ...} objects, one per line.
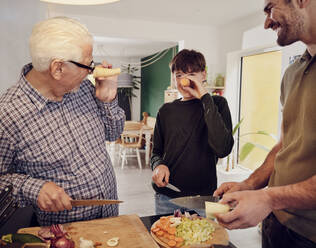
[{"x": 188, "y": 61}]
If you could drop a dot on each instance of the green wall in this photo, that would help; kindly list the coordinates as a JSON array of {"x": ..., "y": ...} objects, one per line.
[{"x": 155, "y": 80}]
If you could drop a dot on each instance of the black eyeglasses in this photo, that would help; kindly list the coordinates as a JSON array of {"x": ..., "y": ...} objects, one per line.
[{"x": 90, "y": 67}]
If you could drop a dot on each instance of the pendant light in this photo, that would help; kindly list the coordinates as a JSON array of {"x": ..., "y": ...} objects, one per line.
[{"x": 80, "y": 2}]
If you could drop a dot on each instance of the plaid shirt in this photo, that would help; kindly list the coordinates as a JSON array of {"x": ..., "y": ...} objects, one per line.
[{"x": 63, "y": 142}]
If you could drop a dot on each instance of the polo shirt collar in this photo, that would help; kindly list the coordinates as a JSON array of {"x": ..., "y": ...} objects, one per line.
[{"x": 306, "y": 56}]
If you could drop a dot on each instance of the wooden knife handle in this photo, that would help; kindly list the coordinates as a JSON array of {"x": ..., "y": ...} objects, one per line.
[{"x": 76, "y": 203}]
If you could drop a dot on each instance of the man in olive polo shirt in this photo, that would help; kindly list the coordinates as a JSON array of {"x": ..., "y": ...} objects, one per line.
[{"x": 288, "y": 204}]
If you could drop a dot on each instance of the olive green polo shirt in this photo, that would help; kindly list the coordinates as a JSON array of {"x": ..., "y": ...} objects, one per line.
[{"x": 296, "y": 161}]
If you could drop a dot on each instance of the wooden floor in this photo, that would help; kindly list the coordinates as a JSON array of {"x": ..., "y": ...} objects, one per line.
[{"x": 134, "y": 188}]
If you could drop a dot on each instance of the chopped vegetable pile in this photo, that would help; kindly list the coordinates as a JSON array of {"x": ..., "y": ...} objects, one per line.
[
  {"x": 179, "y": 230},
  {"x": 195, "y": 231}
]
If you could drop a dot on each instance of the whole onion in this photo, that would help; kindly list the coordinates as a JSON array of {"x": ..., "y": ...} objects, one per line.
[
  {"x": 57, "y": 236},
  {"x": 62, "y": 242}
]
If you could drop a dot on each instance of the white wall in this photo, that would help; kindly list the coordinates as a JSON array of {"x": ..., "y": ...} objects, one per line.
[
  {"x": 16, "y": 21},
  {"x": 258, "y": 36},
  {"x": 231, "y": 36}
]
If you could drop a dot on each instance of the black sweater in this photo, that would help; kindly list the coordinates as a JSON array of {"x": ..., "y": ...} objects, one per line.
[{"x": 189, "y": 138}]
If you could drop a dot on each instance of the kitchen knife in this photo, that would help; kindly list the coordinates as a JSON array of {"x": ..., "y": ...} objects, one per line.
[
  {"x": 172, "y": 187},
  {"x": 94, "y": 202},
  {"x": 194, "y": 202}
]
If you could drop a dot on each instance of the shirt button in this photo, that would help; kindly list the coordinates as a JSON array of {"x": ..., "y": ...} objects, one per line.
[
  {"x": 81, "y": 147},
  {"x": 71, "y": 125}
]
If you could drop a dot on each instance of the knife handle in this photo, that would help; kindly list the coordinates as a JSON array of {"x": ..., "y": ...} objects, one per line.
[{"x": 76, "y": 203}]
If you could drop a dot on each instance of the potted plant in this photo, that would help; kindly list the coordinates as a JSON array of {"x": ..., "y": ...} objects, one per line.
[
  {"x": 128, "y": 82},
  {"x": 219, "y": 80},
  {"x": 248, "y": 147}
]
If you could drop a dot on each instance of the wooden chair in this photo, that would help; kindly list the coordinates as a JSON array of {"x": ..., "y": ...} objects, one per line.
[
  {"x": 150, "y": 122},
  {"x": 145, "y": 116},
  {"x": 131, "y": 139}
]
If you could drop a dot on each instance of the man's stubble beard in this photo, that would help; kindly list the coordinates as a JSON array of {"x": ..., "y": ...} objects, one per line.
[{"x": 290, "y": 33}]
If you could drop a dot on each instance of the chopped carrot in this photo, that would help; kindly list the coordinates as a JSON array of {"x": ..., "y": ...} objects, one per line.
[
  {"x": 165, "y": 228},
  {"x": 166, "y": 235},
  {"x": 172, "y": 243},
  {"x": 171, "y": 237},
  {"x": 178, "y": 244},
  {"x": 172, "y": 230},
  {"x": 178, "y": 239},
  {"x": 159, "y": 225},
  {"x": 160, "y": 233},
  {"x": 154, "y": 230},
  {"x": 163, "y": 219}
]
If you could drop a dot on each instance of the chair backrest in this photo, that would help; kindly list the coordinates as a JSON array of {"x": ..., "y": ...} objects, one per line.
[
  {"x": 145, "y": 116},
  {"x": 148, "y": 120},
  {"x": 151, "y": 121},
  {"x": 133, "y": 125},
  {"x": 132, "y": 134}
]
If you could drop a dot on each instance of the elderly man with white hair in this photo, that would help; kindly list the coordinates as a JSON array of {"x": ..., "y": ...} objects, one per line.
[{"x": 54, "y": 124}]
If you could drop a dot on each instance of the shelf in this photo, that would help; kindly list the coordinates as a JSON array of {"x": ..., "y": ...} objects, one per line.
[{"x": 215, "y": 87}]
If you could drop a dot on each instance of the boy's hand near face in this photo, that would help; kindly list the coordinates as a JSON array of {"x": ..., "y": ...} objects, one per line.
[
  {"x": 161, "y": 175},
  {"x": 197, "y": 90}
]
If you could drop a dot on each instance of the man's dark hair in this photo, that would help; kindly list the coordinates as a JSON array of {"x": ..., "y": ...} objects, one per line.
[{"x": 188, "y": 61}]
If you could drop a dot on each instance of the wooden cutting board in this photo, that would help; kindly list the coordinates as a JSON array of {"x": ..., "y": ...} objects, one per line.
[{"x": 129, "y": 228}]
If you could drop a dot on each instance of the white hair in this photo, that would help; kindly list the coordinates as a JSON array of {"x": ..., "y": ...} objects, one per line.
[{"x": 57, "y": 38}]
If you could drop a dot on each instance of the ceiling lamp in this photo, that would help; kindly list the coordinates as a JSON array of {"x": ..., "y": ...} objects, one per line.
[{"x": 80, "y": 2}]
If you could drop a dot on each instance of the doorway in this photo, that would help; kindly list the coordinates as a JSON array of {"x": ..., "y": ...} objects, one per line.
[{"x": 259, "y": 104}]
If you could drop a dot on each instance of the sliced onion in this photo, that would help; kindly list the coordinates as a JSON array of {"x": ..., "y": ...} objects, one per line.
[
  {"x": 113, "y": 241},
  {"x": 187, "y": 214},
  {"x": 58, "y": 230},
  {"x": 177, "y": 213}
]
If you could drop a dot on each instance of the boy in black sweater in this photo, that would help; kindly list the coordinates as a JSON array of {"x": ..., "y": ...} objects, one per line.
[{"x": 190, "y": 135}]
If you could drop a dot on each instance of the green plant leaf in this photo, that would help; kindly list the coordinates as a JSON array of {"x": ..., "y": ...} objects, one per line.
[
  {"x": 237, "y": 126},
  {"x": 245, "y": 150},
  {"x": 248, "y": 147},
  {"x": 262, "y": 147},
  {"x": 261, "y": 133}
]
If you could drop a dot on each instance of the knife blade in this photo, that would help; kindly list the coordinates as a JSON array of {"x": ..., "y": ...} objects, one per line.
[
  {"x": 95, "y": 202},
  {"x": 194, "y": 202},
  {"x": 172, "y": 187}
]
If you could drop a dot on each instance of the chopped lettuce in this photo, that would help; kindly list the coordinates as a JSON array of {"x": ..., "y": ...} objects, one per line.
[{"x": 195, "y": 231}]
